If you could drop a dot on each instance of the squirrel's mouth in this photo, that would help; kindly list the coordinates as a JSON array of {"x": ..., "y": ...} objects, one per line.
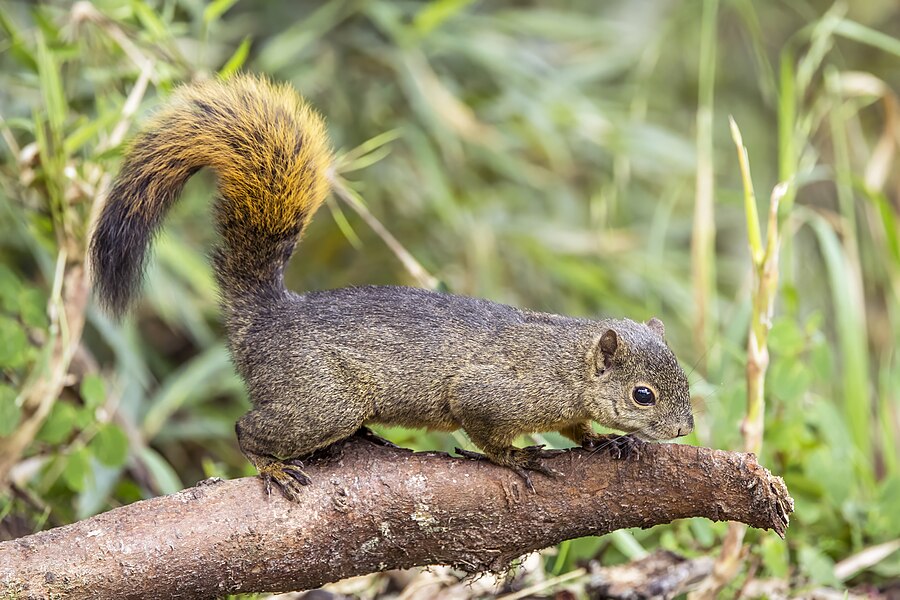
[{"x": 653, "y": 436}]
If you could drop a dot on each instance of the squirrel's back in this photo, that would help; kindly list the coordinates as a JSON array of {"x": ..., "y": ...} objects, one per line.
[{"x": 270, "y": 153}]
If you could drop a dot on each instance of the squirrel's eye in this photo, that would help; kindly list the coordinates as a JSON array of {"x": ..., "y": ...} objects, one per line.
[{"x": 643, "y": 396}]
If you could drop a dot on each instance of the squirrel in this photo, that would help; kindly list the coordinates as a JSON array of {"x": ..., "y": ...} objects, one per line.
[{"x": 321, "y": 366}]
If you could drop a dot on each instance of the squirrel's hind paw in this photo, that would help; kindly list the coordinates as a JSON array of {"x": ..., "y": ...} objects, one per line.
[{"x": 289, "y": 478}]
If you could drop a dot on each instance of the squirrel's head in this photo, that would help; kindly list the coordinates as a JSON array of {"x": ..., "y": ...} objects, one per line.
[{"x": 635, "y": 383}]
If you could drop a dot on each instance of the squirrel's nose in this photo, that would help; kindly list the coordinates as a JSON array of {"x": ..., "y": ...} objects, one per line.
[{"x": 686, "y": 429}]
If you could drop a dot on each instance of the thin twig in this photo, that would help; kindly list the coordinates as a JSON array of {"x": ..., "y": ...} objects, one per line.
[
  {"x": 349, "y": 197},
  {"x": 85, "y": 11}
]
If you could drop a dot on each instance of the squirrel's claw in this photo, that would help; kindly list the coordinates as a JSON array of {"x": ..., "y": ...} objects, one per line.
[
  {"x": 623, "y": 447},
  {"x": 526, "y": 477},
  {"x": 298, "y": 475},
  {"x": 540, "y": 452},
  {"x": 592, "y": 441},
  {"x": 469, "y": 454},
  {"x": 287, "y": 477},
  {"x": 519, "y": 460},
  {"x": 369, "y": 435},
  {"x": 533, "y": 461}
]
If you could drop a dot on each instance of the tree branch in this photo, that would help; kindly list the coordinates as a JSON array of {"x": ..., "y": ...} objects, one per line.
[{"x": 372, "y": 508}]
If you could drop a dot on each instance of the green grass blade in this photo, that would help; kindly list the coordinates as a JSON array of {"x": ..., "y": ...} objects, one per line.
[
  {"x": 866, "y": 35},
  {"x": 237, "y": 60},
  {"x": 847, "y": 299}
]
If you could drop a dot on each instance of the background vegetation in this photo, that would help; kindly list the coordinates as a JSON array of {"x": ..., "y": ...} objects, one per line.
[{"x": 561, "y": 156}]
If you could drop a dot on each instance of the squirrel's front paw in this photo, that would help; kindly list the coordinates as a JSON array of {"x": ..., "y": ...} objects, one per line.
[
  {"x": 520, "y": 460},
  {"x": 287, "y": 476},
  {"x": 532, "y": 459},
  {"x": 623, "y": 447},
  {"x": 594, "y": 441}
]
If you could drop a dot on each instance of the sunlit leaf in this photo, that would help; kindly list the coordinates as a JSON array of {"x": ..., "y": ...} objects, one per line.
[
  {"x": 59, "y": 424},
  {"x": 14, "y": 348},
  {"x": 237, "y": 59},
  {"x": 110, "y": 445},
  {"x": 92, "y": 391},
  {"x": 76, "y": 470}
]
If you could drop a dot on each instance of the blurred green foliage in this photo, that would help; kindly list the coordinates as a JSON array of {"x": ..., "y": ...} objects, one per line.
[{"x": 539, "y": 154}]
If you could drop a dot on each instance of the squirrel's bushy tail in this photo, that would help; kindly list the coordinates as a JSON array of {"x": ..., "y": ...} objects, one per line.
[{"x": 270, "y": 152}]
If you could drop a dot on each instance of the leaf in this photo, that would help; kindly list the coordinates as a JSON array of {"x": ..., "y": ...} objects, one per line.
[
  {"x": 286, "y": 48},
  {"x": 95, "y": 497},
  {"x": 89, "y": 131},
  {"x": 436, "y": 13},
  {"x": 52, "y": 89},
  {"x": 10, "y": 288},
  {"x": 838, "y": 484},
  {"x": 786, "y": 337},
  {"x": 196, "y": 379},
  {"x": 110, "y": 445},
  {"x": 789, "y": 379},
  {"x": 75, "y": 472},
  {"x": 866, "y": 35},
  {"x": 817, "y": 566},
  {"x": 92, "y": 391},
  {"x": 625, "y": 542},
  {"x": 59, "y": 424},
  {"x": 237, "y": 59},
  {"x": 14, "y": 348},
  {"x": 821, "y": 361},
  {"x": 10, "y": 412},
  {"x": 367, "y": 153},
  {"x": 18, "y": 46},
  {"x": 775, "y": 556},
  {"x": 33, "y": 307},
  {"x": 165, "y": 476},
  {"x": 216, "y": 9},
  {"x": 703, "y": 532},
  {"x": 849, "y": 311},
  {"x": 150, "y": 20},
  {"x": 884, "y": 516}
]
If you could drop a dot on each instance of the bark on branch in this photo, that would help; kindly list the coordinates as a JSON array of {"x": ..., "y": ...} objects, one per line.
[{"x": 372, "y": 508}]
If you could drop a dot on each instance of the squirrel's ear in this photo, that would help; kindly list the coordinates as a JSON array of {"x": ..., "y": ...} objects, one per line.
[
  {"x": 657, "y": 327},
  {"x": 609, "y": 341},
  {"x": 606, "y": 349}
]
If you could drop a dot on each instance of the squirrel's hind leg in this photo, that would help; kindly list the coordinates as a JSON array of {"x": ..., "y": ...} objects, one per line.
[{"x": 275, "y": 436}]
